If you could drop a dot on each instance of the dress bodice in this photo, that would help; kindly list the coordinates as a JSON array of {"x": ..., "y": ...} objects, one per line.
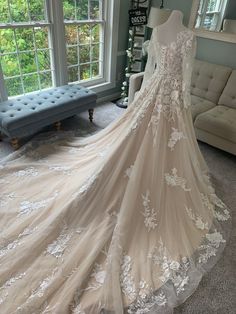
[
  {"x": 171, "y": 62},
  {"x": 170, "y": 57}
]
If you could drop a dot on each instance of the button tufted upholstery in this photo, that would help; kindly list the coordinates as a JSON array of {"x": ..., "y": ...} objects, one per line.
[
  {"x": 213, "y": 103},
  {"x": 208, "y": 80},
  {"x": 200, "y": 105},
  {"x": 228, "y": 96},
  {"x": 25, "y": 115},
  {"x": 220, "y": 121}
]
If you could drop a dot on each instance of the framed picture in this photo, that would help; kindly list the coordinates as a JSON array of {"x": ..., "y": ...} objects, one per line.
[
  {"x": 137, "y": 66},
  {"x": 138, "y": 42},
  {"x": 137, "y": 53},
  {"x": 140, "y": 30}
]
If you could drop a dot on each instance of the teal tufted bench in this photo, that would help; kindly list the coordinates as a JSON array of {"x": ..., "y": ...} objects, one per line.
[{"x": 25, "y": 115}]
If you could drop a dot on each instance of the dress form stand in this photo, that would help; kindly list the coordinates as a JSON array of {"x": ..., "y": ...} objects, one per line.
[{"x": 167, "y": 32}]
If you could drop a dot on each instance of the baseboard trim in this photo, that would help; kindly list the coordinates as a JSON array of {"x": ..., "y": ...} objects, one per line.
[{"x": 108, "y": 98}]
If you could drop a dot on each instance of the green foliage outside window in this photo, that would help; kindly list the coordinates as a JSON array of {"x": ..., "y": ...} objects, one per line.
[{"x": 25, "y": 53}]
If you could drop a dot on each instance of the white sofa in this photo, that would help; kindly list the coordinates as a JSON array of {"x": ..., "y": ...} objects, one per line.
[{"x": 213, "y": 95}]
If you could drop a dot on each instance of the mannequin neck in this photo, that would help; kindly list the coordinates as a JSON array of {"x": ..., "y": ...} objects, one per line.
[{"x": 176, "y": 18}]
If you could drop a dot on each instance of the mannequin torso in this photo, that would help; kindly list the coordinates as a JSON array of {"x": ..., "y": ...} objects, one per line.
[{"x": 167, "y": 32}]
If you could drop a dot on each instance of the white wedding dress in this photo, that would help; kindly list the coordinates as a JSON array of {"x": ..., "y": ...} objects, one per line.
[{"x": 124, "y": 221}]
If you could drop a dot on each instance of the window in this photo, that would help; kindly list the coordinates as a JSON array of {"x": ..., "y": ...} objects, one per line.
[
  {"x": 51, "y": 43},
  {"x": 84, "y": 27},
  {"x": 24, "y": 46},
  {"x": 210, "y": 14}
]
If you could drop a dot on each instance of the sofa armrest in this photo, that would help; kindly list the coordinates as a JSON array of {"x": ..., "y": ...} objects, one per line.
[{"x": 135, "y": 83}]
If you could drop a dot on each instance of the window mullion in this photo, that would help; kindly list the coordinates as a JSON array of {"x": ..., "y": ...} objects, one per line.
[
  {"x": 3, "y": 90},
  {"x": 18, "y": 58},
  {"x": 57, "y": 41}
]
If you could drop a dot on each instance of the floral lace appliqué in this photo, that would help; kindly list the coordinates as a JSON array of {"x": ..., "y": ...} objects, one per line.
[
  {"x": 174, "y": 180},
  {"x": 150, "y": 214},
  {"x": 57, "y": 247},
  {"x": 128, "y": 171},
  {"x": 7, "y": 284},
  {"x": 98, "y": 275},
  {"x": 175, "y": 137},
  {"x": 126, "y": 279},
  {"x": 213, "y": 203},
  {"x": 5, "y": 199},
  {"x": 147, "y": 303},
  {"x": 43, "y": 285},
  {"x": 172, "y": 270},
  {"x": 196, "y": 219},
  {"x": 27, "y": 172},
  {"x": 27, "y": 207},
  {"x": 61, "y": 169},
  {"x": 213, "y": 241},
  {"x": 5, "y": 248}
]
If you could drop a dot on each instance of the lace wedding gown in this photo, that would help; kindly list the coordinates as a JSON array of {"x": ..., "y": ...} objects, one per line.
[{"x": 124, "y": 221}]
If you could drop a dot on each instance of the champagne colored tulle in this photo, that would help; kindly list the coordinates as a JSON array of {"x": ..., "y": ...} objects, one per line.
[{"x": 124, "y": 221}]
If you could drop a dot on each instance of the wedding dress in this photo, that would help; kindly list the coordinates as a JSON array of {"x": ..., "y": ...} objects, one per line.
[{"x": 124, "y": 221}]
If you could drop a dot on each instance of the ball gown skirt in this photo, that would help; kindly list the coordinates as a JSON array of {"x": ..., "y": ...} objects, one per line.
[{"x": 124, "y": 221}]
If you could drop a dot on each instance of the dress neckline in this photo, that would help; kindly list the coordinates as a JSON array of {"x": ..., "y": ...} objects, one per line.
[{"x": 174, "y": 41}]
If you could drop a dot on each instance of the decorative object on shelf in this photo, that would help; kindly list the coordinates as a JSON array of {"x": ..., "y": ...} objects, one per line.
[{"x": 137, "y": 35}]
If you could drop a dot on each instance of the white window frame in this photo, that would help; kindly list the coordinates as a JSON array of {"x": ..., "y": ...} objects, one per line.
[
  {"x": 218, "y": 15},
  {"x": 57, "y": 44}
]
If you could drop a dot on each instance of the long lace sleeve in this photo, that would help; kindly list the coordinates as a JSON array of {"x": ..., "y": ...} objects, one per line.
[
  {"x": 188, "y": 62},
  {"x": 151, "y": 61}
]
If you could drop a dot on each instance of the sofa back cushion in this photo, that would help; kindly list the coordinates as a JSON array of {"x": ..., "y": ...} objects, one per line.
[
  {"x": 209, "y": 80},
  {"x": 228, "y": 97}
]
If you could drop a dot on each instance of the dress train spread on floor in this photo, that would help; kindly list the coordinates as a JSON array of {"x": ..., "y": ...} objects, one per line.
[{"x": 124, "y": 221}]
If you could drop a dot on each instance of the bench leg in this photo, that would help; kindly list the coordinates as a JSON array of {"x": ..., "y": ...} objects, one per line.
[
  {"x": 0, "y": 137},
  {"x": 91, "y": 111},
  {"x": 15, "y": 143},
  {"x": 58, "y": 125}
]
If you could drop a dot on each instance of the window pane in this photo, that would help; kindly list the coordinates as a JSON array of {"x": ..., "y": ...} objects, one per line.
[
  {"x": 7, "y": 41},
  {"x": 69, "y": 9},
  {"x": 45, "y": 80},
  {"x": 19, "y": 11},
  {"x": 95, "y": 69},
  {"x": 14, "y": 86},
  {"x": 37, "y": 10},
  {"x": 83, "y": 40},
  {"x": 4, "y": 16},
  {"x": 10, "y": 66},
  {"x": 95, "y": 33},
  {"x": 43, "y": 60},
  {"x": 41, "y": 37},
  {"x": 95, "y": 52},
  {"x": 84, "y": 54},
  {"x": 85, "y": 72},
  {"x": 73, "y": 74},
  {"x": 94, "y": 9},
  {"x": 31, "y": 83},
  {"x": 71, "y": 35},
  {"x": 25, "y": 39},
  {"x": 72, "y": 55},
  {"x": 84, "y": 34},
  {"x": 27, "y": 62},
  {"x": 82, "y": 10}
]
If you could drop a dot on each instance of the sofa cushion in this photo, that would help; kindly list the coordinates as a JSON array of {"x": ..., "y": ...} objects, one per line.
[
  {"x": 228, "y": 97},
  {"x": 219, "y": 121},
  {"x": 209, "y": 80},
  {"x": 199, "y": 105}
]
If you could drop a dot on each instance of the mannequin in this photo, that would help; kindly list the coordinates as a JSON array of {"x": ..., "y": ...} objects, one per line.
[{"x": 167, "y": 32}]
